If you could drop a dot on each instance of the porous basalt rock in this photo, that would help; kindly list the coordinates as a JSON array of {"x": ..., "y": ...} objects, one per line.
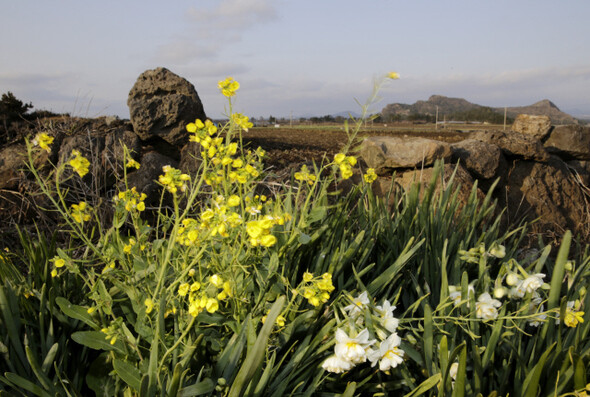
[{"x": 161, "y": 104}]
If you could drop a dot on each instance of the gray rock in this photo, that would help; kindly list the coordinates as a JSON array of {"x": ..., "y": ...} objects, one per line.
[
  {"x": 514, "y": 144},
  {"x": 570, "y": 142},
  {"x": 161, "y": 104},
  {"x": 537, "y": 126},
  {"x": 482, "y": 159},
  {"x": 383, "y": 153}
]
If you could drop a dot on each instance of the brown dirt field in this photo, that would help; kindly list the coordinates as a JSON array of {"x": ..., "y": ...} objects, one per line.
[{"x": 289, "y": 146}]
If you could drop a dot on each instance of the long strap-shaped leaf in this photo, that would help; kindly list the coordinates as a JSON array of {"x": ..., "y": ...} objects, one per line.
[{"x": 256, "y": 355}]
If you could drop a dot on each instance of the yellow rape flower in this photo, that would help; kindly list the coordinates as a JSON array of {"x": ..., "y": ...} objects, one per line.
[
  {"x": 149, "y": 305},
  {"x": 242, "y": 121},
  {"x": 44, "y": 141},
  {"x": 393, "y": 75},
  {"x": 228, "y": 86},
  {"x": 573, "y": 318},
  {"x": 132, "y": 164},
  {"x": 80, "y": 212},
  {"x": 307, "y": 277},
  {"x": 212, "y": 305},
  {"x": 183, "y": 289},
  {"x": 305, "y": 176},
  {"x": 58, "y": 262},
  {"x": 233, "y": 201},
  {"x": 370, "y": 176},
  {"x": 79, "y": 163}
]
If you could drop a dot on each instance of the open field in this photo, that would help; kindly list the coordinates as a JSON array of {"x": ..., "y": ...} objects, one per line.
[{"x": 288, "y": 145}]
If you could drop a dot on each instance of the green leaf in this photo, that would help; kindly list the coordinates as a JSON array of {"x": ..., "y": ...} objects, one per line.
[
  {"x": 579, "y": 374},
  {"x": 204, "y": 387},
  {"x": 425, "y": 386},
  {"x": 128, "y": 373},
  {"x": 76, "y": 312},
  {"x": 531, "y": 382},
  {"x": 175, "y": 382},
  {"x": 96, "y": 340},
  {"x": 41, "y": 377},
  {"x": 350, "y": 389},
  {"x": 254, "y": 358},
  {"x": 26, "y": 384},
  {"x": 559, "y": 271},
  {"x": 491, "y": 346},
  {"x": 427, "y": 342},
  {"x": 459, "y": 390}
]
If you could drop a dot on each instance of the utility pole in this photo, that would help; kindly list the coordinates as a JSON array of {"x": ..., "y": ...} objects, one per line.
[
  {"x": 505, "y": 110},
  {"x": 436, "y": 120},
  {"x": 291, "y": 123}
]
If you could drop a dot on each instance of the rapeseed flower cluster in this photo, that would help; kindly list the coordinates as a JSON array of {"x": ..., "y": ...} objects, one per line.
[
  {"x": 345, "y": 163},
  {"x": 81, "y": 212},
  {"x": 79, "y": 163},
  {"x": 355, "y": 347},
  {"x": 44, "y": 141},
  {"x": 370, "y": 176},
  {"x": 241, "y": 121},
  {"x": 132, "y": 164},
  {"x": 205, "y": 296},
  {"x": 305, "y": 176},
  {"x": 201, "y": 131},
  {"x": 131, "y": 200},
  {"x": 316, "y": 289},
  {"x": 228, "y": 86},
  {"x": 173, "y": 179},
  {"x": 58, "y": 263}
]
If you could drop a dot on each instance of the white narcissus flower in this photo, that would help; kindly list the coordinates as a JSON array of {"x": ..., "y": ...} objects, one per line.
[
  {"x": 528, "y": 285},
  {"x": 486, "y": 307},
  {"x": 388, "y": 321},
  {"x": 389, "y": 355},
  {"x": 350, "y": 349},
  {"x": 357, "y": 305},
  {"x": 337, "y": 365},
  {"x": 532, "y": 283}
]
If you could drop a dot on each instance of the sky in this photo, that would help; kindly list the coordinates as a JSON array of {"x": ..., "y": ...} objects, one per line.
[{"x": 297, "y": 58}]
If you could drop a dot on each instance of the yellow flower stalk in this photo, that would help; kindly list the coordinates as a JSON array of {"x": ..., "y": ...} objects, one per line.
[
  {"x": 79, "y": 163},
  {"x": 44, "y": 141},
  {"x": 228, "y": 86}
]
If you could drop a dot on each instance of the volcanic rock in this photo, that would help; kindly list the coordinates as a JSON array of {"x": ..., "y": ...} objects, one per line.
[
  {"x": 481, "y": 158},
  {"x": 161, "y": 104},
  {"x": 537, "y": 126},
  {"x": 383, "y": 153},
  {"x": 570, "y": 142},
  {"x": 514, "y": 144}
]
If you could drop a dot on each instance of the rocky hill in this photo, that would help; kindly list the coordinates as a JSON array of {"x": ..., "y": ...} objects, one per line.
[{"x": 449, "y": 106}]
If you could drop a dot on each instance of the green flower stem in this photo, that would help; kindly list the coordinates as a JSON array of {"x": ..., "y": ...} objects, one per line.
[{"x": 177, "y": 343}]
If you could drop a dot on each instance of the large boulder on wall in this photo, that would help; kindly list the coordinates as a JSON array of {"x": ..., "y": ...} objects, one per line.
[{"x": 161, "y": 104}]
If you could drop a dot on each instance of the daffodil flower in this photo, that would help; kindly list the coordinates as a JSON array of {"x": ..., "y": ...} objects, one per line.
[
  {"x": 350, "y": 349},
  {"x": 389, "y": 355}
]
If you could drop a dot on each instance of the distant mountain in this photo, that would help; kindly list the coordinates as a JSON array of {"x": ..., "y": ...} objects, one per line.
[{"x": 448, "y": 106}]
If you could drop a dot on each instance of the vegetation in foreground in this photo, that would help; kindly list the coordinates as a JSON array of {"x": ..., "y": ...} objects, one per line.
[{"x": 233, "y": 288}]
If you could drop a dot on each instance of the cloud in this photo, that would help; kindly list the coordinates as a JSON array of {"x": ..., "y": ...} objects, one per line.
[
  {"x": 210, "y": 30},
  {"x": 233, "y": 15}
]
